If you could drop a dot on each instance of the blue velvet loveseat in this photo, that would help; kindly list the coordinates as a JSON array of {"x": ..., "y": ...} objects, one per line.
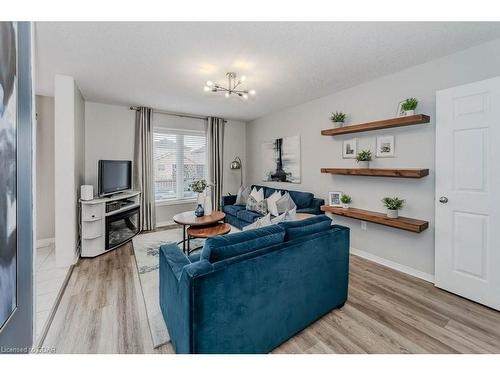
[
  {"x": 240, "y": 217},
  {"x": 248, "y": 292}
]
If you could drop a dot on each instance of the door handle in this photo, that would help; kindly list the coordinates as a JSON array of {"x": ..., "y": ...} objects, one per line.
[{"x": 443, "y": 200}]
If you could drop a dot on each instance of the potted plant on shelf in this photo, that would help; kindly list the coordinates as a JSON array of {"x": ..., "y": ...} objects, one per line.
[
  {"x": 393, "y": 205},
  {"x": 363, "y": 158},
  {"x": 199, "y": 187},
  {"x": 346, "y": 200},
  {"x": 338, "y": 119},
  {"x": 409, "y": 106}
]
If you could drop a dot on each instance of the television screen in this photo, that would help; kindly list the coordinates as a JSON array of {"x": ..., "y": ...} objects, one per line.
[{"x": 114, "y": 176}]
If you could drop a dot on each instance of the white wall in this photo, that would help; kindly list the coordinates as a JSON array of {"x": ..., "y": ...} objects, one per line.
[
  {"x": 45, "y": 168},
  {"x": 109, "y": 134},
  {"x": 69, "y": 159},
  {"x": 414, "y": 147}
]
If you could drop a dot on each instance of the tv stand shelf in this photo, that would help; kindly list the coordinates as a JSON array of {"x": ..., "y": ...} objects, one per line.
[
  {"x": 405, "y": 223},
  {"x": 94, "y": 230}
]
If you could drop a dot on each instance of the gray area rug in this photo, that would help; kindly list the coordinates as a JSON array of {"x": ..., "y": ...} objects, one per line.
[{"x": 146, "y": 249}]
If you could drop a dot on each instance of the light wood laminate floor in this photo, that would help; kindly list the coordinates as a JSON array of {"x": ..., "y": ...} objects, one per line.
[{"x": 102, "y": 311}]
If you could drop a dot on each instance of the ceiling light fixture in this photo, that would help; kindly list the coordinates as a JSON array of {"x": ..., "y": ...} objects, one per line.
[{"x": 233, "y": 82}]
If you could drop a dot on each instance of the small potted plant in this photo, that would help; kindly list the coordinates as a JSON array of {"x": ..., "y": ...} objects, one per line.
[
  {"x": 346, "y": 200},
  {"x": 363, "y": 158},
  {"x": 338, "y": 119},
  {"x": 199, "y": 187},
  {"x": 409, "y": 106},
  {"x": 393, "y": 205}
]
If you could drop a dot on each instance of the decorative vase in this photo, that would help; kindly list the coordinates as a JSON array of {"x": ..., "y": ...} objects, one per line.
[
  {"x": 338, "y": 124},
  {"x": 345, "y": 205},
  {"x": 364, "y": 164},
  {"x": 410, "y": 112},
  {"x": 392, "y": 214},
  {"x": 199, "y": 212}
]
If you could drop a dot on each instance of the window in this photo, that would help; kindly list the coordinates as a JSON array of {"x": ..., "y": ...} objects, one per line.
[{"x": 179, "y": 159}]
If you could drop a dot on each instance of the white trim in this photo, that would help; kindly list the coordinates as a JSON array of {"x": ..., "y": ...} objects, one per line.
[
  {"x": 173, "y": 202},
  {"x": 44, "y": 242},
  {"x": 396, "y": 266}
]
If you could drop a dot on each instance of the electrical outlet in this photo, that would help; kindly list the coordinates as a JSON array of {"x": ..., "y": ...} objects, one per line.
[{"x": 363, "y": 225}]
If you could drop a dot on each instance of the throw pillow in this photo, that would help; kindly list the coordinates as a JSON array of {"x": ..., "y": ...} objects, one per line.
[
  {"x": 271, "y": 203},
  {"x": 242, "y": 197},
  {"x": 259, "y": 207},
  {"x": 290, "y": 215},
  {"x": 279, "y": 218},
  {"x": 259, "y": 223},
  {"x": 285, "y": 203},
  {"x": 257, "y": 194}
]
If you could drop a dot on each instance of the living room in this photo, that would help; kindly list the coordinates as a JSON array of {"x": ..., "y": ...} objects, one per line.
[{"x": 255, "y": 187}]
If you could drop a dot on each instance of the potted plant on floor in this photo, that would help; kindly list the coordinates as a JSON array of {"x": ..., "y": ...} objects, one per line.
[
  {"x": 393, "y": 204},
  {"x": 345, "y": 200},
  {"x": 338, "y": 119},
  {"x": 199, "y": 187},
  {"x": 363, "y": 158},
  {"x": 409, "y": 106}
]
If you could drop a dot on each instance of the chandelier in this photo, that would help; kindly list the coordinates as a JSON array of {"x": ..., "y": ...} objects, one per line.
[{"x": 233, "y": 83}]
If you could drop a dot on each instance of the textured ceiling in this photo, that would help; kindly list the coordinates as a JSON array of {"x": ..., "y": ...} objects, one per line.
[{"x": 165, "y": 65}]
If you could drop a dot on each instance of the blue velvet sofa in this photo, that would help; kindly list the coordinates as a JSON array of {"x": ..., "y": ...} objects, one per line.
[
  {"x": 240, "y": 217},
  {"x": 248, "y": 292}
]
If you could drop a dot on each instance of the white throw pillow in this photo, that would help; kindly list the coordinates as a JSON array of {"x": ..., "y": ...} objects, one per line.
[
  {"x": 290, "y": 215},
  {"x": 259, "y": 223},
  {"x": 242, "y": 197},
  {"x": 271, "y": 203},
  {"x": 279, "y": 218},
  {"x": 257, "y": 194},
  {"x": 285, "y": 203}
]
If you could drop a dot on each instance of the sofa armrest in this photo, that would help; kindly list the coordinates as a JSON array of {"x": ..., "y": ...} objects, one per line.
[
  {"x": 228, "y": 200},
  {"x": 316, "y": 205},
  {"x": 175, "y": 259}
]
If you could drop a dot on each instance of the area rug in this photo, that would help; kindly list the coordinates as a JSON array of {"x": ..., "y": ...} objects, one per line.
[{"x": 146, "y": 249}]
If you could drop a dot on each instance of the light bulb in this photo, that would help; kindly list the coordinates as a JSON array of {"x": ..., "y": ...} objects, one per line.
[
  {"x": 226, "y": 95},
  {"x": 209, "y": 83},
  {"x": 252, "y": 92},
  {"x": 245, "y": 96},
  {"x": 206, "y": 89},
  {"x": 243, "y": 79}
]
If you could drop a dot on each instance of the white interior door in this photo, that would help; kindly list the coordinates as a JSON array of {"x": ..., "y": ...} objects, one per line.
[{"x": 467, "y": 260}]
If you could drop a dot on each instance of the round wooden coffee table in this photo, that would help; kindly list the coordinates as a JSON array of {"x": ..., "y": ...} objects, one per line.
[
  {"x": 206, "y": 232},
  {"x": 189, "y": 219}
]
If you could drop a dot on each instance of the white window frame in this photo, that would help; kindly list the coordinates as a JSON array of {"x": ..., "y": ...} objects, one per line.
[{"x": 179, "y": 160}]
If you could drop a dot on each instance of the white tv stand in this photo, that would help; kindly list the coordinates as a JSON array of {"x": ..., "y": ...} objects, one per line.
[{"x": 100, "y": 229}]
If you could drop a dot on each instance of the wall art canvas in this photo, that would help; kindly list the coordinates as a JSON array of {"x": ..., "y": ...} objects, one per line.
[
  {"x": 8, "y": 198},
  {"x": 350, "y": 148},
  {"x": 281, "y": 160}
]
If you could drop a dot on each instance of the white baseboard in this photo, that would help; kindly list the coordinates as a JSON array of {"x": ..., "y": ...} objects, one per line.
[
  {"x": 44, "y": 242},
  {"x": 396, "y": 266}
]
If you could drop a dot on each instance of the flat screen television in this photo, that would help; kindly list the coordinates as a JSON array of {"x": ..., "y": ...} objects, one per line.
[{"x": 114, "y": 176}]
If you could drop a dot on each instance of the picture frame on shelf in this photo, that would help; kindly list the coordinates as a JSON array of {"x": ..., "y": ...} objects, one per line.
[
  {"x": 334, "y": 198},
  {"x": 350, "y": 148},
  {"x": 401, "y": 112},
  {"x": 385, "y": 146}
]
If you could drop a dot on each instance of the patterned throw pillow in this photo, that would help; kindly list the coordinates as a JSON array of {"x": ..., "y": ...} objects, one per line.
[
  {"x": 259, "y": 223},
  {"x": 259, "y": 207},
  {"x": 242, "y": 197}
]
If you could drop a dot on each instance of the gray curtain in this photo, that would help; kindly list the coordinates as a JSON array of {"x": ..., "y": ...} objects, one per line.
[
  {"x": 215, "y": 141},
  {"x": 143, "y": 166}
]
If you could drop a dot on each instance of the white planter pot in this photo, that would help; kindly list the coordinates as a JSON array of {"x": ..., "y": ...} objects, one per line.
[
  {"x": 345, "y": 205},
  {"x": 392, "y": 214},
  {"x": 364, "y": 164},
  {"x": 411, "y": 112},
  {"x": 338, "y": 124}
]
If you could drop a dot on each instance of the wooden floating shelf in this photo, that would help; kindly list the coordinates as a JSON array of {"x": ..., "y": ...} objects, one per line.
[
  {"x": 379, "y": 172},
  {"x": 405, "y": 223},
  {"x": 381, "y": 124}
]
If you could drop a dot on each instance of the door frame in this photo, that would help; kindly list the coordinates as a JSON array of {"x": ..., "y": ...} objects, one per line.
[{"x": 17, "y": 332}]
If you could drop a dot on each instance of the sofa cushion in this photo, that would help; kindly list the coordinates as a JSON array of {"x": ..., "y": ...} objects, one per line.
[
  {"x": 285, "y": 203},
  {"x": 254, "y": 205},
  {"x": 224, "y": 247},
  {"x": 300, "y": 228},
  {"x": 232, "y": 209},
  {"x": 248, "y": 216},
  {"x": 301, "y": 199},
  {"x": 242, "y": 196}
]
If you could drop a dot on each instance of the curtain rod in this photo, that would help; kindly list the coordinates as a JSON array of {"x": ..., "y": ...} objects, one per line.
[{"x": 179, "y": 114}]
